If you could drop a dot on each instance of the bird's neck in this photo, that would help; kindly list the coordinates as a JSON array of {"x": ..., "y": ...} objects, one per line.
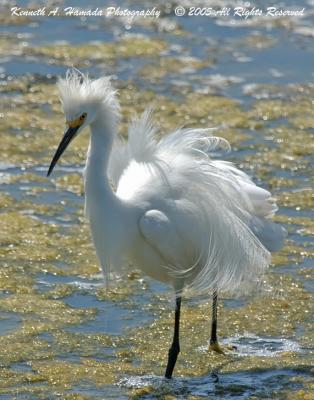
[
  {"x": 100, "y": 146},
  {"x": 105, "y": 211}
]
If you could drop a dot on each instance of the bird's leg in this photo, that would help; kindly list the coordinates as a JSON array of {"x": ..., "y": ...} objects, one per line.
[
  {"x": 214, "y": 345},
  {"x": 175, "y": 347}
]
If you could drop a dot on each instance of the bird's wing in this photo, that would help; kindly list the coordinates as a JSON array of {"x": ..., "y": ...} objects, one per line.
[
  {"x": 143, "y": 148},
  {"x": 140, "y": 147},
  {"x": 194, "y": 142},
  {"x": 269, "y": 233},
  {"x": 261, "y": 200},
  {"x": 161, "y": 234},
  {"x": 263, "y": 207},
  {"x": 178, "y": 170}
]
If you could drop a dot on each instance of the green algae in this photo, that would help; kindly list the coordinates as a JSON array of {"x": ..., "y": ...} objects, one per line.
[
  {"x": 166, "y": 65},
  {"x": 10, "y": 45},
  {"x": 15, "y": 85},
  {"x": 55, "y": 373},
  {"x": 293, "y": 142},
  {"x": 307, "y": 393},
  {"x": 17, "y": 348},
  {"x": 30, "y": 246},
  {"x": 29, "y": 131},
  {"x": 6, "y": 201},
  {"x": 86, "y": 344},
  {"x": 28, "y": 136},
  {"x": 277, "y": 91},
  {"x": 55, "y": 313},
  {"x": 307, "y": 273},
  {"x": 288, "y": 150},
  {"x": 20, "y": 232},
  {"x": 256, "y": 41},
  {"x": 31, "y": 127},
  {"x": 84, "y": 54},
  {"x": 277, "y": 315},
  {"x": 303, "y": 122},
  {"x": 9, "y": 378},
  {"x": 276, "y": 183},
  {"x": 123, "y": 289},
  {"x": 302, "y": 199},
  {"x": 217, "y": 109},
  {"x": 292, "y": 253},
  {"x": 27, "y": 241},
  {"x": 6, "y": 19},
  {"x": 66, "y": 374},
  {"x": 196, "y": 107},
  {"x": 70, "y": 182},
  {"x": 15, "y": 280},
  {"x": 28, "y": 177},
  {"x": 59, "y": 291},
  {"x": 194, "y": 110},
  {"x": 271, "y": 109},
  {"x": 39, "y": 314}
]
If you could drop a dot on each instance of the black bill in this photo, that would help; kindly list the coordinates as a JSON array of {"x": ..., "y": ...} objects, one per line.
[{"x": 68, "y": 136}]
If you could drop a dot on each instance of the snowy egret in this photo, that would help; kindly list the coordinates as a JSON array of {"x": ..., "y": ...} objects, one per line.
[{"x": 166, "y": 206}]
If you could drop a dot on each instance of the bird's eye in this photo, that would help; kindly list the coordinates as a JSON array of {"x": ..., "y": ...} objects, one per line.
[{"x": 83, "y": 116}]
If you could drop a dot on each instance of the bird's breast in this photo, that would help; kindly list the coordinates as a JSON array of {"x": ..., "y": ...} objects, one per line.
[{"x": 148, "y": 260}]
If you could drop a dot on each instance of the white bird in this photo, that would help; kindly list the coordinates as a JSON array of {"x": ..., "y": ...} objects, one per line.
[{"x": 177, "y": 214}]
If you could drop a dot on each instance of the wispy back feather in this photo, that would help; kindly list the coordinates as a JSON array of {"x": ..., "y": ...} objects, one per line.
[
  {"x": 142, "y": 145},
  {"x": 224, "y": 200}
]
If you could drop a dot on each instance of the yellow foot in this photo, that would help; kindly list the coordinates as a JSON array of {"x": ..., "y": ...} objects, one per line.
[{"x": 219, "y": 349}]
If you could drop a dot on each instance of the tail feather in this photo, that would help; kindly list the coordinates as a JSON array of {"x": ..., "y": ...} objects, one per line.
[{"x": 271, "y": 235}]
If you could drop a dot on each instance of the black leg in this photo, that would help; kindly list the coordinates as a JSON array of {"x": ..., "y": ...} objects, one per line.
[
  {"x": 213, "y": 336},
  {"x": 214, "y": 345},
  {"x": 175, "y": 347}
]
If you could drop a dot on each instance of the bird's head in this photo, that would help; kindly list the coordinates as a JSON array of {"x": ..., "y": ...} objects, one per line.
[{"x": 82, "y": 100}]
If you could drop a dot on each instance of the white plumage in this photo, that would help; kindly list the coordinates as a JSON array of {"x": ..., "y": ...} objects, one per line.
[
  {"x": 207, "y": 222},
  {"x": 177, "y": 214}
]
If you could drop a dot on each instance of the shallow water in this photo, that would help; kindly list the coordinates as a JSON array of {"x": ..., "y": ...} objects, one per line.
[{"x": 62, "y": 333}]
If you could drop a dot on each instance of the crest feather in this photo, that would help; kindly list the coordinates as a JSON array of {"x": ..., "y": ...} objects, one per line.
[{"x": 78, "y": 89}]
